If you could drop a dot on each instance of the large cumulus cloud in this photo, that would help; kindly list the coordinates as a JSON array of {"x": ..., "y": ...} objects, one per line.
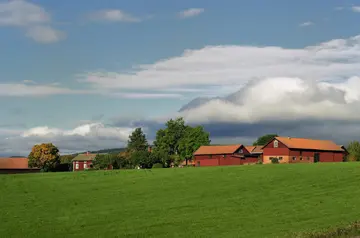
[{"x": 246, "y": 91}]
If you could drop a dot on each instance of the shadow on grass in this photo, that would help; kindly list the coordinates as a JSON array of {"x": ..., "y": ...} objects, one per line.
[{"x": 352, "y": 231}]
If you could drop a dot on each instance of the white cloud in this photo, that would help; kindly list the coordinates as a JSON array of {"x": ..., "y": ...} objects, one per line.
[
  {"x": 22, "y": 13},
  {"x": 25, "y": 90},
  {"x": 32, "y": 18},
  {"x": 232, "y": 66},
  {"x": 114, "y": 15},
  {"x": 192, "y": 12},
  {"x": 45, "y": 34},
  {"x": 29, "y": 88},
  {"x": 308, "y": 23},
  {"x": 92, "y": 136},
  {"x": 355, "y": 8},
  {"x": 282, "y": 99}
]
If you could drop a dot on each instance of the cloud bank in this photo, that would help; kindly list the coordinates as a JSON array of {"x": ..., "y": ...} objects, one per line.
[
  {"x": 34, "y": 19},
  {"x": 245, "y": 91}
]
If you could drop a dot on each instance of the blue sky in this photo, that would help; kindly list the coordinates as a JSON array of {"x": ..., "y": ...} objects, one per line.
[{"x": 59, "y": 48}]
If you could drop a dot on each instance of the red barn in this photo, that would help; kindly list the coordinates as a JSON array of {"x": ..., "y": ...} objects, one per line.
[
  {"x": 15, "y": 165},
  {"x": 218, "y": 155},
  {"x": 83, "y": 161},
  {"x": 300, "y": 150},
  {"x": 255, "y": 151}
]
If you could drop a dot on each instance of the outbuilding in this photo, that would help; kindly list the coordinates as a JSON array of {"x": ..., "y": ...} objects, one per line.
[
  {"x": 83, "y": 161},
  {"x": 301, "y": 150},
  {"x": 218, "y": 155}
]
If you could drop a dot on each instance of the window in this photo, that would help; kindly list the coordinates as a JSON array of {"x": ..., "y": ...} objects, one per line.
[
  {"x": 276, "y": 144},
  {"x": 241, "y": 151},
  {"x": 301, "y": 158},
  {"x": 77, "y": 165},
  {"x": 224, "y": 156},
  {"x": 280, "y": 158},
  {"x": 308, "y": 158},
  {"x": 294, "y": 157},
  {"x": 85, "y": 165}
]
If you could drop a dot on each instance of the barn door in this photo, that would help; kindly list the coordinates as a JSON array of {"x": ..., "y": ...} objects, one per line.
[{"x": 316, "y": 157}]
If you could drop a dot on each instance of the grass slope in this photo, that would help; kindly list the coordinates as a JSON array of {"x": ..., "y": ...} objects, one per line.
[{"x": 235, "y": 201}]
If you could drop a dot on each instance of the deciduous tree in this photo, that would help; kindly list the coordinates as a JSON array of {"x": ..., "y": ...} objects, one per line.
[
  {"x": 354, "y": 151},
  {"x": 263, "y": 140},
  {"x": 44, "y": 156},
  {"x": 193, "y": 138}
]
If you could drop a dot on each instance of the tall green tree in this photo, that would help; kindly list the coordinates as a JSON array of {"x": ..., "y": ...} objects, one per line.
[
  {"x": 44, "y": 156},
  {"x": 137, "y": 141},
  {"x": 354, "y": 151},
  {"x": 263, "y": 140},
  {"x": 167, "y": 140},
  {"x": 193, "y": 138}
]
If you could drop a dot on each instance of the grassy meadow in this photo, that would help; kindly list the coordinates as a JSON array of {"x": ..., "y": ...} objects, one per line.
[{"x": 234, "y": 201}]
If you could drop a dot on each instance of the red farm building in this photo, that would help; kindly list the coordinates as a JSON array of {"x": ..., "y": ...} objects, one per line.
[
  {"x": 83, "y": 161},
  {"x": 218, "y": 155},
  {"x": 300, "y": 150},
  {"x": 16, "y": 165}
]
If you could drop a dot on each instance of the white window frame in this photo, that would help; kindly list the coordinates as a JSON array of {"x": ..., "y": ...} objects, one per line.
[
  {"x": 85, "y": 165},
  {"x": 276, "y": 144},
  {"x": 77, "y": 165}
]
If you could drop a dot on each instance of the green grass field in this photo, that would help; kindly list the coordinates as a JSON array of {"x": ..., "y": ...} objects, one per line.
[{"x": 234, "y": 201}]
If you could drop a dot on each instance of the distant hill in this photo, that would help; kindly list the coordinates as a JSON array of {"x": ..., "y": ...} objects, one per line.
[{"x": 109, "y": 151}]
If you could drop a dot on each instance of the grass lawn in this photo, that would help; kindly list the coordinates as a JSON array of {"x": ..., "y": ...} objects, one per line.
[{"x": 234, "y": 201}]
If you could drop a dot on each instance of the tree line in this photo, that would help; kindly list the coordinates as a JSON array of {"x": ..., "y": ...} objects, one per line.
[{"x": 173, "y": 145}]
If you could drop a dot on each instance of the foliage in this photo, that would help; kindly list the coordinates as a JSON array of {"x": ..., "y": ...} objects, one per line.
[
  {"x": 354, "y": 151},
  {"x": 142, "y": 159},
  {"x": 137, "y": 141},
  {"x": 44, "y": 156},
  {"x": 167, "y": 140},
  {"x": 274, "y": 160},
  {"x": 102, "y": 161},
  {"x": 313, "y": 195},
  {"x": 65, "y": 159},
  {"x": 193, "y": 138},
  {"x": 263, "y": 140},
  {"x": 157, "y": 166},
  {"x": 158, "y": 156}
]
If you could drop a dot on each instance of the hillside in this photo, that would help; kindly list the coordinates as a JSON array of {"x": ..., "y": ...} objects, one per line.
[{"x": 235, "y": 201}]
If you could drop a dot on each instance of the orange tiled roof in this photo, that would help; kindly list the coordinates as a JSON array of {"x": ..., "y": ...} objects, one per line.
[
  {"x": 217, "y": 149},
  {"x": 254, "y": 149},
  {"x": 310, "y": 144},
  {"x": 250, "y": 148},
  {"x": 14, "y": 163}
]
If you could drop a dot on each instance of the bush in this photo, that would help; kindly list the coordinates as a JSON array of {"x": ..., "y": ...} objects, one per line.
[
  {"x": 157, "y": 166},
  {"x": 274, "y": 160}
]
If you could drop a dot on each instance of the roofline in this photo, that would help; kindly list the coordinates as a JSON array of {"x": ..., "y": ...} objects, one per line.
[
  {"x": 239, "y": 145},
  {"x": 277, "y": 138}
]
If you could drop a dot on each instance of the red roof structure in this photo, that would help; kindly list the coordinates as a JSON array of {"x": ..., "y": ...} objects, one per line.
[
  {"x": 217, "y": 149},
  {"x": 14, "y": 163},
  {"x": 309, "y": 144}
]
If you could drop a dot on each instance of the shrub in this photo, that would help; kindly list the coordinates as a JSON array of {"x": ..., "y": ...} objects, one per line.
[
  {"x": 157, "y": 166},
  {"x": 274, "y": 160}
]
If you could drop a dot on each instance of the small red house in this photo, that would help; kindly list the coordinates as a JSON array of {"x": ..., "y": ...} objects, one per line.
[
  {"x": 83, "y": 161},
  {"x": 218, "y": 155},
  {"x": 255, "y": 151},
  {"x": 300, "y": 150}
]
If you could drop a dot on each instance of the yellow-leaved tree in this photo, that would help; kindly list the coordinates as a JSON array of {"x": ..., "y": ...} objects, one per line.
[{"x": 44, "y": 156}]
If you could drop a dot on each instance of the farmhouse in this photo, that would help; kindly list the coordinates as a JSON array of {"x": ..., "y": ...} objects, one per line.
[
  {"x": 217, "y": 155},
  {"x": 83, "y": 161},
  {"x": 300, "y": 150},
  {"x": 15, "y": 165}
]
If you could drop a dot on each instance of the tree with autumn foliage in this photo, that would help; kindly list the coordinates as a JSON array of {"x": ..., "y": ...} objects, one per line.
[{"x": 44, "y": 156}]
